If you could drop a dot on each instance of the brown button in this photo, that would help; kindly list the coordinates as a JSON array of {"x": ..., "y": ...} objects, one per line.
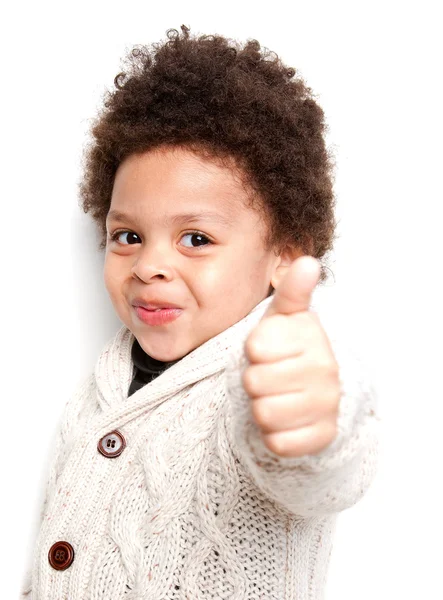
[
  {"x": 61, "y": 555},
  {"x": 112, "y": 444}
]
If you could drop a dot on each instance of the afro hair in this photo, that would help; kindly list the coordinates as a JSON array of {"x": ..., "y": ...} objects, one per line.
[{"x": 229, "y": 103}]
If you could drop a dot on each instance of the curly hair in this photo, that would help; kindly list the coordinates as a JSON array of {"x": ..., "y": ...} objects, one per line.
[{"x": 234, "y": 105}]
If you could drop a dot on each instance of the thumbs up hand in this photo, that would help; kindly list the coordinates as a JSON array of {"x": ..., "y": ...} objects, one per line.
[{"x": 293, "y": 376}]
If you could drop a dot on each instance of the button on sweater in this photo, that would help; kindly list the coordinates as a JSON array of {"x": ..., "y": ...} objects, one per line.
[{"x": 195, "y": 506}]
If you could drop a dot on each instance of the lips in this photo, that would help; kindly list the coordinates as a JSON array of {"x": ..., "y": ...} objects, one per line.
[
  {"x": 160, "y": 316},
  {"x": 154, "y": 304}
]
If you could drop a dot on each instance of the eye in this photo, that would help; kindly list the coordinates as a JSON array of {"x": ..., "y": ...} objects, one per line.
[
  {"x": 199, "y": 236},
  {"x": 202, "y": 240},
  {"x": 131, "y": 236}
]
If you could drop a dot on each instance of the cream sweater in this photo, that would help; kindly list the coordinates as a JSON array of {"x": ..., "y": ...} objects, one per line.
[{"x": 195, "y": 506}]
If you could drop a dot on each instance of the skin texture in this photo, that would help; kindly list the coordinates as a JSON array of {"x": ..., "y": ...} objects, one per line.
[{"x": 216, "y": 284}]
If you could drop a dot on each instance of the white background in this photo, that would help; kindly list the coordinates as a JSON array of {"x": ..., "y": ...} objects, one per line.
[{"x": 376, "y": 72}]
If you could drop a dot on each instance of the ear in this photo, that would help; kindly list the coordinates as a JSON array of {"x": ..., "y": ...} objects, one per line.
[{"x": 286, "y": 258}]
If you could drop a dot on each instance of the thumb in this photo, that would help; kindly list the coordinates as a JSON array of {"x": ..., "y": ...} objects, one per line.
[{"x": 294, "y": 293}]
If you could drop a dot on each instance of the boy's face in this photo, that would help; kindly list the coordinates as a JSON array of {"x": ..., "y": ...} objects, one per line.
[{"x": 216, "y": 284}]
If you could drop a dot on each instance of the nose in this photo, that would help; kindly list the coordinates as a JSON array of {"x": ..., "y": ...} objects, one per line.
[{"x": 151, "y": 263}]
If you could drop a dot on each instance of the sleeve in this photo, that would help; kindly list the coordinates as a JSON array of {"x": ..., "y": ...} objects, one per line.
[
  {"x": 312, "y": 485},
  {"x": 73, "y": 413}
]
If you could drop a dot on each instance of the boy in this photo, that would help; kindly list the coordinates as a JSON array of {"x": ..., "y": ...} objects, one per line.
[{"x": 222, "y": 430}]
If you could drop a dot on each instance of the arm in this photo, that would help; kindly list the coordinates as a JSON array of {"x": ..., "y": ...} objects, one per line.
[{"x": 312, "y": 485}]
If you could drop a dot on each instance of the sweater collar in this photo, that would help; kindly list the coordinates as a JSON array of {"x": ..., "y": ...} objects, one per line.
[{"x": 114, "y": 369}]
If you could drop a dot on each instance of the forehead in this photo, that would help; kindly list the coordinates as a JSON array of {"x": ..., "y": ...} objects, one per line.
[{"x": 181, "y": 178}]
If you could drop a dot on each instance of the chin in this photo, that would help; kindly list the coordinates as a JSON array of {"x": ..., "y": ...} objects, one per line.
[{"x": 165, "y": 356}]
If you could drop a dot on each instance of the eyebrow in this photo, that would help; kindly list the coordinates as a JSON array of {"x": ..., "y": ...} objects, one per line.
[{"x": 179, "y": 218}]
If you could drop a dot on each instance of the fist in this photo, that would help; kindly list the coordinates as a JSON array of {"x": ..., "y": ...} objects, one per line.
[{"x": 292, "y": 378}]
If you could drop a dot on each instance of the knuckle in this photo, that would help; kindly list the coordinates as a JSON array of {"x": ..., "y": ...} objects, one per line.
[
  {"x": 329, "y": 367},
  {"x": 260, "y": 414},
  {"x": 326, "y": 364},
  {"x": 252, "y": 348},
  {"x": 333, "y": 401},
  {"x": 273, "y": 443},
  {"x": 249, "y": 379},
  {"x": 336, "y": 392},
  {"x": 334, "y": 369}
]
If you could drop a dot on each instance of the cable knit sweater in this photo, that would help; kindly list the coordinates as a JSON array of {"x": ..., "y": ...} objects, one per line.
[{"x": 195, "y": 506}]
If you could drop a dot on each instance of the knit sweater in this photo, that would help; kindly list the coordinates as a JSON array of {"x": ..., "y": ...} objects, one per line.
[{"x": 196, "y": 506}]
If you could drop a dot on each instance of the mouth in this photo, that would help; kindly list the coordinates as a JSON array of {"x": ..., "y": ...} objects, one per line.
[{"x": 157, "y": 316}]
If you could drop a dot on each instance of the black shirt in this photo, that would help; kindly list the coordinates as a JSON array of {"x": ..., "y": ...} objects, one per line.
[{"x": 147, "y": 368}]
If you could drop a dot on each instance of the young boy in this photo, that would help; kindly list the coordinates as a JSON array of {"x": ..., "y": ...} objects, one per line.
[{"x": 222, "y": 430}]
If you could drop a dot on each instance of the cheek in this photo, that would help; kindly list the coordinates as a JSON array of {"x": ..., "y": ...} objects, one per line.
[
  {"x": 111, "y": 275},
  {"x": 213, "y": 283},
  {"x": 207, "y": 280},
  {"x": 223, "y": 274},
  {"x": 261, "y": 266},
  {"x": 257, "y": 273},
  {"x": 226, "y": 288}
]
